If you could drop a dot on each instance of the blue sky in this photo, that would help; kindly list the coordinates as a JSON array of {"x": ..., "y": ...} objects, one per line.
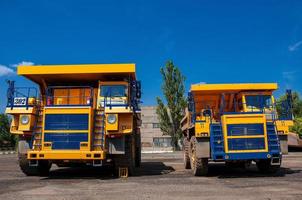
[{"x": 210, "y": 41}]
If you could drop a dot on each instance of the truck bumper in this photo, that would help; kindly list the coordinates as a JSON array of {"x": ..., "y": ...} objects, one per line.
[
  {"x": 251, "y": 156},
  {"x": 66, "y": 155}
]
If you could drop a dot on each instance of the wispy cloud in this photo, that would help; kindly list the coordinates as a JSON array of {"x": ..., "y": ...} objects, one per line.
[
  {"x": 295, "y": 46},
  {"x": 289, "y": 77},
  {"x": 6, "y": 71},
  {"x": 24, "y": 63}
]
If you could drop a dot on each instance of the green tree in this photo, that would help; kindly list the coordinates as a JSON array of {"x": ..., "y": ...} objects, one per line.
[
  {"x": 297, "y": 111},
  {"x": 5, "y": 136},
  {"x": 297, "y": 104},
  {"x": 171, "y": 113},
  {"x": 297, "y": 128}
]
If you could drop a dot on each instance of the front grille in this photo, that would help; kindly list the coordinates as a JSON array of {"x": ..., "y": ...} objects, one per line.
[
  {"x": 66, "y": 131},
  {"x": 241, "y": 134},
  {"x": 245, "y": 129},
  {"x": 65, "y": 140},
  {"x": 246, "y": 144}
]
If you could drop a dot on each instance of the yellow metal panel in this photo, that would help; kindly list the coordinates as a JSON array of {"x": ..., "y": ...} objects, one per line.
[
  {"x": 202, "y": 128},
  {"x": 84, "y": 146},
  {"x": 20, "y": 110},
  {"x": 29, "y": 125},
  {"x": 76, "y": 69},
  {"x": 234, "y": 87},
  {"x": 283, "y": 126},
  {"x": 68, "y": 110},
  {"x": 244, "y": 119},
  {"x": 112, "y": 127},
  {"x": 65, "y": 155}
]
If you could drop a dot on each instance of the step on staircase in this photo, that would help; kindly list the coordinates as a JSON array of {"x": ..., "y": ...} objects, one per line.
[
  {"x": 217, "y": 143},
  {"x": 37, "y": 131},
  {"x": 273, "y": 141},
  {"x": 99, "y": 130}
]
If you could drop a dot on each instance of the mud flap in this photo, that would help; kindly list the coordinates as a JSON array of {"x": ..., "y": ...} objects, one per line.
[
  {"x": 203, "y": 148},
  {"x": 283, "y": 139}
]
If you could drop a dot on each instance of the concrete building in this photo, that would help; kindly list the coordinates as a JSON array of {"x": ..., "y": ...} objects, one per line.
[{"x": 153, "y": 139}]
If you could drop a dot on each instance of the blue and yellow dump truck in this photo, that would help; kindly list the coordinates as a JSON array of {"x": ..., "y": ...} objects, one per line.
[
  {"x": 237, "y": 124},
  {"x": 81, "y": 115}
]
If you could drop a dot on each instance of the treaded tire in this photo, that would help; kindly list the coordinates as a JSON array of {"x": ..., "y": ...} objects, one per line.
[
  {"x": 186, "y": 146},
  {"x": 138, "y": 156},
  {"x": 127, "y": 159},
  {"x": 43, "y": 165},
  {"x": 199, "y": 165},
  {"x": 264, "y": 166}
]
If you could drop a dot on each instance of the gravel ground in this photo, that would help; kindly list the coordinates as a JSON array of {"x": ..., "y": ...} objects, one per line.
[{"x": 161, "y": 176}]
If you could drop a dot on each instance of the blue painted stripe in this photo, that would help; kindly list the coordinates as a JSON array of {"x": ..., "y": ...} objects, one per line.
[
  {"x": 246, "y": 144},
  {"x": 66, "y": 140},
  {"x": 66, "y": 121},
  {"x": 245, "y": 129},
  {"x": 250, "y": 156}
]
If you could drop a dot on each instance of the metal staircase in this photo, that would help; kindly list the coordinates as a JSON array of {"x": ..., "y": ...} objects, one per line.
[
  {"x": 273, "y": 141},
  {"x": 37, "y": 131},
  {"x": 217, "y": 143},
  {"x": 99, "y": 130}
]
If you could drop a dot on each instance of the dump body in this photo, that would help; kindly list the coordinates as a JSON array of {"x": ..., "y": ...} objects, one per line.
[
  {"x": 234, "y": 123},
  {"x": 85, "y": 114}
]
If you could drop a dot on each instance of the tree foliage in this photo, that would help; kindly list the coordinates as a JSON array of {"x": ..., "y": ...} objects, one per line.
[
  {"x": 5, "y": 136},
  {"x": 171, "y": 113},
  {"x": 297, "y": 104},
  {"x": 297, "y": 111}
]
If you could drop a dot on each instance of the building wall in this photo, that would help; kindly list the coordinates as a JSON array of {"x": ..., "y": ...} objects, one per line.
[{"x": 152, "y": 137}]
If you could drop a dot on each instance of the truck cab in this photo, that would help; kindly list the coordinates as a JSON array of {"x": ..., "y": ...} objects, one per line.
[{"x": 234, "y": 123}]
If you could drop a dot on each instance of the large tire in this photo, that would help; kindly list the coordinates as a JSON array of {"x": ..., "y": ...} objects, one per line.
[
  {"x": 43, "y": 165},
  {"x": 127, "y": 159},
  {"x": 186, "y": 146},
  {"x": 199, "y": 165},
  {"x": 265, "y": 166},
  {"x": 138, "y": 149}
]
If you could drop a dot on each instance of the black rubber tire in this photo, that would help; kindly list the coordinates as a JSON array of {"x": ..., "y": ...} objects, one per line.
[
  {"x": 199, "y": 165},
  {"x": 43, "y": 165},
  {"x": 138, "y": 155},
  {"x": 127, "y": 159},
  {"x": 264, "y": 166},
  {"x": 41, "y": 170},
  {"x": 186, "y": 146}
]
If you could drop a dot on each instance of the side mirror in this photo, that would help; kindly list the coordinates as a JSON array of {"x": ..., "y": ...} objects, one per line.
[{"x": 138, "y": 89}]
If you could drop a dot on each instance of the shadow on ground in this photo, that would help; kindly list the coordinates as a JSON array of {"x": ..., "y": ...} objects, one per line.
[
  {"x": 221, "y": 171},
  {"x": 146, "y": 169}
]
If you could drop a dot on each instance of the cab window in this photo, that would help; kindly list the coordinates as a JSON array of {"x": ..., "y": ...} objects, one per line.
[
  {"x": 113, "y": 90},
  {"x": 258, "y": 101}
]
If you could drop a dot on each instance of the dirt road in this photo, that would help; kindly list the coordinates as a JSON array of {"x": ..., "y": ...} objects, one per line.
[{"x": 162, "y": 176}]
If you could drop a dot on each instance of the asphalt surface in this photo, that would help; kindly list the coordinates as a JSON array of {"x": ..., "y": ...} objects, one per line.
[{"x": 161, "y": 176}]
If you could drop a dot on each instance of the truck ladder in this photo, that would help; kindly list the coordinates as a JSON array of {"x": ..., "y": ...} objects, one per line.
[
  {"x": 37, "y": 131},
  {"x": 99, "y": 130}
]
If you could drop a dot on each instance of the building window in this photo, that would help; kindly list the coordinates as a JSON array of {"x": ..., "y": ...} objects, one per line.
[
  {"x": 155, "y": 125},
  {"x": 162, "y": 142}
]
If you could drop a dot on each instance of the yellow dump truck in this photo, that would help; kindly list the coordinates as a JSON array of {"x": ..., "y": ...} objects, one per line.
[
  {"x": 235, "y": 124},
  {"x": 84, "y": 115}
]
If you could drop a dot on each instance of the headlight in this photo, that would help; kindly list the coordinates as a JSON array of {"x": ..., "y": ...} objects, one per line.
[
  {"x": 24, "y": 119},
  {"x": 111, "y": 119}
]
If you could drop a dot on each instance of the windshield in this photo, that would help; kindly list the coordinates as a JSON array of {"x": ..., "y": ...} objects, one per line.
[
  {"x": 258, "y": 101},
  {"x": 113, "y": 91}
]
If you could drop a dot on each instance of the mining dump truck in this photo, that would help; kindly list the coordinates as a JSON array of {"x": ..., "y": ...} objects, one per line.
[
  {"x": 235, "y": 124},
  {"x": 81, "y": 115}
]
